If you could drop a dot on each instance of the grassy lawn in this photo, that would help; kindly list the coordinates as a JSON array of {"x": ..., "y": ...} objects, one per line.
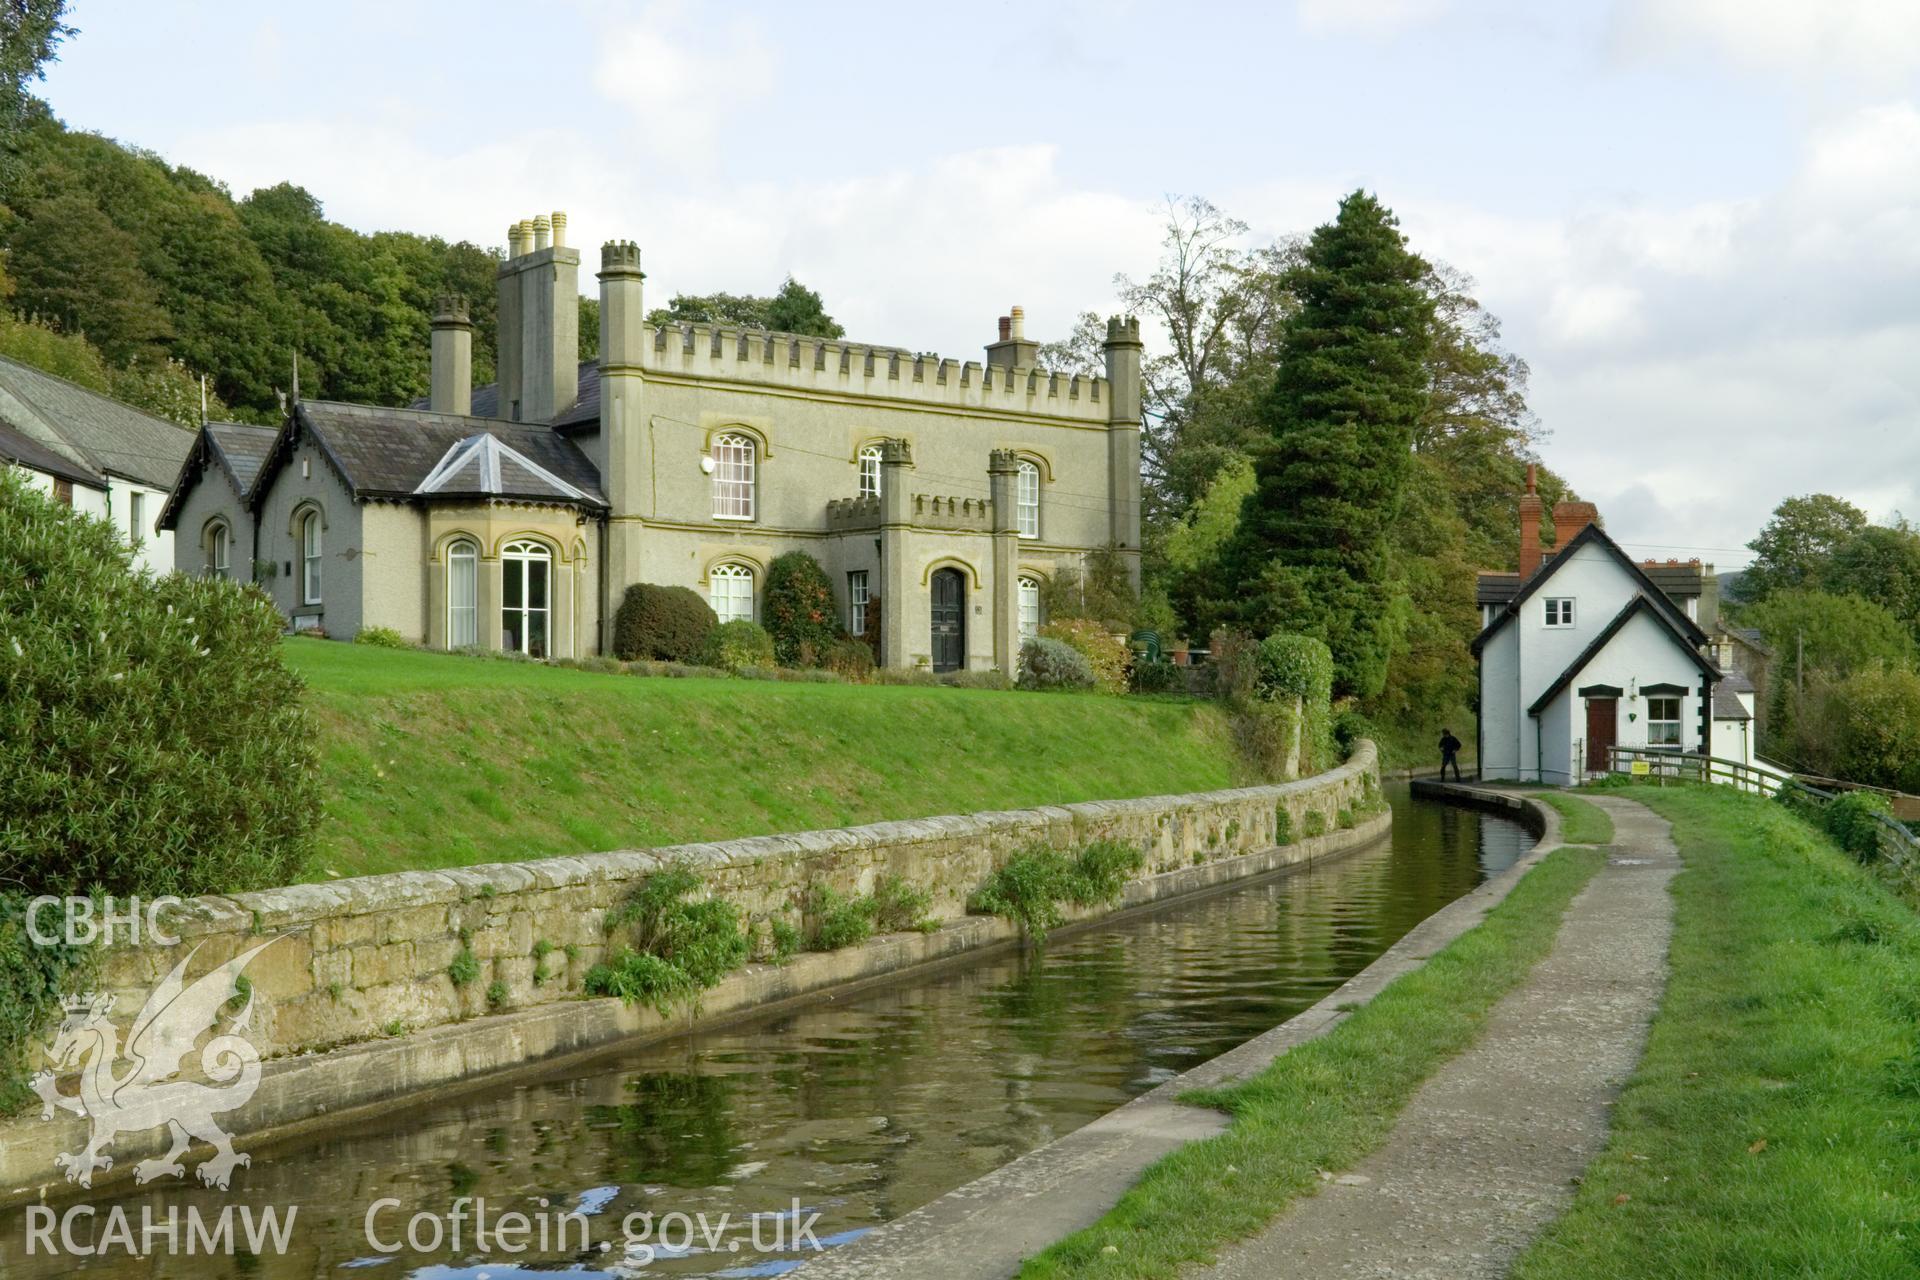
[
  {"x": 1325, "y": 1104},
  {"x": 1580, "y": 821},
  {"x": 1773, "y": 1127},
  {"x": 434, "y": 760}
]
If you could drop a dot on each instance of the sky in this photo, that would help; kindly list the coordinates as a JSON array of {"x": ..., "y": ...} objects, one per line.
[{"x": 1698, "y": 220}]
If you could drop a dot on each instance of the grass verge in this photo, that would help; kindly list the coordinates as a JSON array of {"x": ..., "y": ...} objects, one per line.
[
  {"x": 1773, "y": 1126},
  {"x": 1581, "y": 821},
  {"x": 435, "y": 760},
  {"x": 1326, "y": 1104}
]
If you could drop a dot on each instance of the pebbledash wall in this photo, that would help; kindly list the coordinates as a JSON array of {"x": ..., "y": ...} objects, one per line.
[{"x": 359, "y": 969}]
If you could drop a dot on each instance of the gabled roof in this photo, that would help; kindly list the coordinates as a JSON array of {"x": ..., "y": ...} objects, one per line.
[
  {"x": 1495, "y": 586},
  {"x": 389, "y": 453},
  {"x": 584, "y": 409},
  {"x": 482, "y": 466},
  {"x": 1750, "y": 637},
  {"x": 1641, "y": 603},
  {"x": 235, "y": 449},
  {"x": 1593, "y": 533},
  {"x": 35, "y": 456},
  {"x": 91, "y": 430}
]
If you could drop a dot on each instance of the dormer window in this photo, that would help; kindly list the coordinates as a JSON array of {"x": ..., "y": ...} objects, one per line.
[{"x": 1560, "y": 611}]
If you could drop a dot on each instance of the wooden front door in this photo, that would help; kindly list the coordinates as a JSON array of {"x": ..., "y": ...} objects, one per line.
[
  {"x": 1602, "y": 731},
  {"x": 949, "y": 620}
]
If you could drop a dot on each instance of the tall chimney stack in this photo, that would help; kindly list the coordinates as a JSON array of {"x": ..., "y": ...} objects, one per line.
[
  {"x": 452, "y": 356},
  {"x": 1569, "y": 518},
  {"x": 1530, "y": 511},
  {"x": 539, "y": 321}
]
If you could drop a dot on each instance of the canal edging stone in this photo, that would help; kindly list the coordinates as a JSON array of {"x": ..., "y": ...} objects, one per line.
[
  {"x": 353, "y": 956},
  {"x": 984, "y": 1229}
]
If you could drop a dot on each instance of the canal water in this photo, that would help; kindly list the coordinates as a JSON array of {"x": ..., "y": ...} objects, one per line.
[{"x": 855, "y": 1110}]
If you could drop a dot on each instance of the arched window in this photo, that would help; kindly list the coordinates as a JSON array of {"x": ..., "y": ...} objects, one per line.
[
  {"x": 310, "y": 557},
  {"x": 1027, "y": 500},
  {"x": 1029, "y": 609},
  {"x": 730, "y": 592},
  {"x": 733, "y": 478},
  {"x": 219, "y": 550},
  {"x": 463, "y": 595},
  {"x": 526, "y": 584},
  {"x": 870, "y": 471}
]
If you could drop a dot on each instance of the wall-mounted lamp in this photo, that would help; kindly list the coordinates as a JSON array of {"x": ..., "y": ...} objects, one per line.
[{"x": 706, "y": 464}]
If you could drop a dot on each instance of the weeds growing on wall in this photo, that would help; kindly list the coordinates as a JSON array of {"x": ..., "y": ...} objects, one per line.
[
  {"x": 1033, "y": 885},
  {"x": 676, "y": 947},
  {"x": 841, "y": 920}
]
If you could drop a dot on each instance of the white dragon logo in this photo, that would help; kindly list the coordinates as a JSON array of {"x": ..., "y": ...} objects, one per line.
[{"x": 147, "y": 1096}]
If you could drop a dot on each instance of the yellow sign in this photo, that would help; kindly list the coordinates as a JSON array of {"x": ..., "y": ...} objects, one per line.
[{"x": 1640, "y": 768}]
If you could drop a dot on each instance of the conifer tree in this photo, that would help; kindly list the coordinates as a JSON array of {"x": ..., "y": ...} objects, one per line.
[{"x": 1311, "y": 553}]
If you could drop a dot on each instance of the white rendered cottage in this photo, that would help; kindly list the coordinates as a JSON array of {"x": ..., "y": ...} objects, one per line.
[{"x": 1587, "y": 654}]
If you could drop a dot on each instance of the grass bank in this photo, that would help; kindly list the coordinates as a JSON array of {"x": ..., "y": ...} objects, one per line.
[
  {"x": 1581, "y": 822},
  {"x": 1325, "y": 1104},
  {"x": 433, "y": 760},
  {"x": 1773, "y": 1127}
]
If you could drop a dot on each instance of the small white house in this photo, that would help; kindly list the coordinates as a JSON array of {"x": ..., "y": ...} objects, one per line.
[
  {"x": 99, "y": 456},
  {"x": 1589, "y": 653}
]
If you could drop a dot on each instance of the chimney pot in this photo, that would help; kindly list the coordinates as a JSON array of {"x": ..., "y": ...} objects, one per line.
[
  {"x": 559, "y": 229},
  {"x": 1019, "y": 319},
  {"x": 542, "y": 237},
  {"x": 1006, "y": 328}
]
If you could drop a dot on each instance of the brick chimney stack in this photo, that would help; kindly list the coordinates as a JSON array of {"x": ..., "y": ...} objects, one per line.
[
  {"x": 1530, "y": 509},
  {"x": 1569, "y": 518}
]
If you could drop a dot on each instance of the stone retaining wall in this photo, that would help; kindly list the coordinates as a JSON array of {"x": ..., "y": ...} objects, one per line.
[
  {"x": 368, "y": 956},
  {"x": 396, "y": 1024}
]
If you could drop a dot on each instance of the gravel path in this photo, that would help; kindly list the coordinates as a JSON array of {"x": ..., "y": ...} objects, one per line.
[{"x": 1487, "y": 1151}]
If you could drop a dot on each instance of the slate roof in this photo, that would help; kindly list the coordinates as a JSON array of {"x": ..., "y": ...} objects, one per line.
[
  {"x": 1494, "y": 587},
  {"x": 1727, "y": 704},
  {"x": 35, "y": 456},
  {"x": 388, "y": 453},
  {"x": 584, "y": 409},
  {"x": 242, "y": 448},
  {"x": 1751, "y": 637},
  {"x": 91, "y": 430},
  {"x": 1678, "y": 578},
  {"x": 1737, "y": 681}
]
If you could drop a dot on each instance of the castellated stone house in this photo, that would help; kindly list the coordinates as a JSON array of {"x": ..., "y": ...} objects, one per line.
[{"x": 515, "y": 516}]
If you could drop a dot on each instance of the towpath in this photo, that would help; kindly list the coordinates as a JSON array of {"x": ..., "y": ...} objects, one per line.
[{"x": 1488, "y": 1150}]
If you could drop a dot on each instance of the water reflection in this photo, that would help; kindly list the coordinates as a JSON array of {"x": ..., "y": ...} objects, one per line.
[{"x": 857, "y": 1110}]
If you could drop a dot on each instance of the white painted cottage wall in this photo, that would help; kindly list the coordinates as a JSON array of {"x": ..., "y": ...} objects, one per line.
[
  {"x": 1641, "y": 653},
  {"x": 1501, "y": 711}
]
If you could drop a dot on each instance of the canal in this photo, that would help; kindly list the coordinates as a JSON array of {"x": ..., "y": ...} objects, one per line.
[{"x": 857, "y": 1110}]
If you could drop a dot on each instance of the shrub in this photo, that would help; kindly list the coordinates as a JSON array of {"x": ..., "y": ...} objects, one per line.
[
  {"x": 1031, "y": 886},
  {"x": 1107, "y": 656},
  {"x": 1349, "y": 726},
  {"x": 1282, "y": 825},
  {"x": 786, "y": 940},
  {"x": 152, "y": 740},
  {"x": 678, "y": 948},
  {"x": 799, "y": 610},
  {"x": 666, "y": 624},
  {"x": 1156, "y": 677},
  {"x": 839, "y": 920},
  {"x": 850, "y": 659},
  {"x": 900, "y": 906},
  {"x": 381, "y": 638},
  {"x": 739, "y": 644},
  {"x": 1046, "y": 663},
  {"x": 1235, "y": 662},
  {"x": 1315, "y": 823},
  {"x": 1850, "y": 820}
]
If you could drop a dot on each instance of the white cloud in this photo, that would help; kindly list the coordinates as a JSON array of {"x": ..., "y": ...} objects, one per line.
[
  {"x": 1876, "y": 39},
  {"x": 679, "y": 83}
]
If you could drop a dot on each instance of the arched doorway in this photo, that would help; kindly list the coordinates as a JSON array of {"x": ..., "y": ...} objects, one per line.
[{"x": 949, "y": 620}]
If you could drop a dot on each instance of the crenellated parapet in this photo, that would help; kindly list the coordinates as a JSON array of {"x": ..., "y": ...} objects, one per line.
[
  {"x": 765, "y": 358},
  {"x": 853, "y": 515},
  {"x": 966, "y": 515}
]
